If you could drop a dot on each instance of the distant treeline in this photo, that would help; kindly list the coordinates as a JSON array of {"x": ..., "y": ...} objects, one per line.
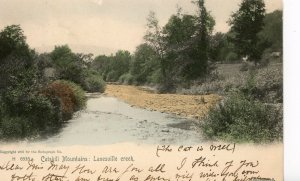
[{"x": 186, "y": 48}]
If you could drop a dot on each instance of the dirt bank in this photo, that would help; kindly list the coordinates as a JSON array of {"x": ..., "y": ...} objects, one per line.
[{"x": 193, "y": 106}]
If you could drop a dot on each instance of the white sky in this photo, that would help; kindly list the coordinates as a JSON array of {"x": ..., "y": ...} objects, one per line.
[{"x": 101, "y": 26}]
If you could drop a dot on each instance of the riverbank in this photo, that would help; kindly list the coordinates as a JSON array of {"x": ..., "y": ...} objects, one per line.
[{"x": 191, "y": 106}]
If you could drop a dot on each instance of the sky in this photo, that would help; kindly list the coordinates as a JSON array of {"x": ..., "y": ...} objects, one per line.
[{"x": 102, "y": 26}]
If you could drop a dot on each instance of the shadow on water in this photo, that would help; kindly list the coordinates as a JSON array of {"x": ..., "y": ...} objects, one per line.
[{"x": 185, "y": 125}]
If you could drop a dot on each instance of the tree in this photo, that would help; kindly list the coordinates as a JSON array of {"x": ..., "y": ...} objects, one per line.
[
  {"x": 113, "y": 66},
  {"x": 272, "y": 31},
  {"x": 178, "y": 33},
  {"x": 16, "y": 58},
  {"x": 13, "y": 42},
  {"x": 154, "y": 38},
  {"x": 179, "y": 30},
  {"x": 246, "y": 23},
  {"x": 68, "y": 65},
  {"x": 101, "y": 64},
  {"x": 187, "y": 43},
  {"x": 121, "y": 62},
  {"x": 144, "y": 64},
  {"x": 221, "y": 49},
  {"x": 203, "y": 33},
  {"x": 197, "y": 51},
  {"x": 217, "y": 42},
  {"x": 62, "y": 56}
]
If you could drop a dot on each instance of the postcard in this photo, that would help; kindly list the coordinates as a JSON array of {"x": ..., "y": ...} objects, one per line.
[{"x": 113, "y": 90}]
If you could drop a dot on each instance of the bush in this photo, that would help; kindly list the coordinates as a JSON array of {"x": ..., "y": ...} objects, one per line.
[
  {"x": 64, "y": 93},
  {"x": 27, "y": 114},
  {"x": 80, "y": 99},
  {"x": 112, "y": 76},
  {"x": 41, "y": 112},
  {"x": 240, "y": 118},
  {"x": 155, "y": 77},
  {"x": 14, "y": 127},
  {"x": 94, "y": 83},
  {"x": 126, "y": 79},
  {"x": 269, "y": 84},
  {"x": 265, "y": 85},
  {"x": 167, "y": 87}
]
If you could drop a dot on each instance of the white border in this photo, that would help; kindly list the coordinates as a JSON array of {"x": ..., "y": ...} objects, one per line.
[{"x": 291, "y": 89}]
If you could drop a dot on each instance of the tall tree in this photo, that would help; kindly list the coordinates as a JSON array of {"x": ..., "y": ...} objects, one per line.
[
  {"x": 178, "y": 33},
  {"x": 246, "y": 23},
  {"x": 16, "y": 58},
  {"x": 155, "y": 39},
  {"x": 198, "y": 49},
  {"x": 182, "y": 45}
]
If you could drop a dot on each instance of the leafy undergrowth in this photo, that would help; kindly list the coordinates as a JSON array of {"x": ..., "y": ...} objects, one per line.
[
  {"x": 31, "y": 113},
  {"x": 252, "y": 109},
  {"x": 241, "y": 118}
]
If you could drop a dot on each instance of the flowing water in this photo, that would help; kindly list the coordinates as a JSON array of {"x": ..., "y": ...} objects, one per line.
[{"x": 107, "y": 120}]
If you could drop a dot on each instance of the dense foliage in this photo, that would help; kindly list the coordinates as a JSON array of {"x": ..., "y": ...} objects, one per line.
[
  {"x": 79, "y": 94},
  {"x": 75, "y": 68},
  {"x": 242, "y": 118},
  {"x": 170, "y": 55},
  {"x": 246, "y": 23},
  {"x": 30, "y": 103},
  {"x": 272, "y": 31}
]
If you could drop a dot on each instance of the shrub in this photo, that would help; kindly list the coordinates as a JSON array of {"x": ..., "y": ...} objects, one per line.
[
  {"x": 80, "y": 99},
  {"x": 265, "y": 85},
  {"x": 269, "y": 83},
  {"x": 167, "y": 87},
  {"x": 63, "y": 92},
  {"x": 155, "y": 77},
  {"x": 14, "y": 127},
  {"x": 240, "y": 118},
  {"x": 126, "y": 79},
  {"x": 41, "y": 112},
  {"x": 94, "y": 83},
  {"x": 112, "y": 76},
  {"x": 27, "y": 114}
]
